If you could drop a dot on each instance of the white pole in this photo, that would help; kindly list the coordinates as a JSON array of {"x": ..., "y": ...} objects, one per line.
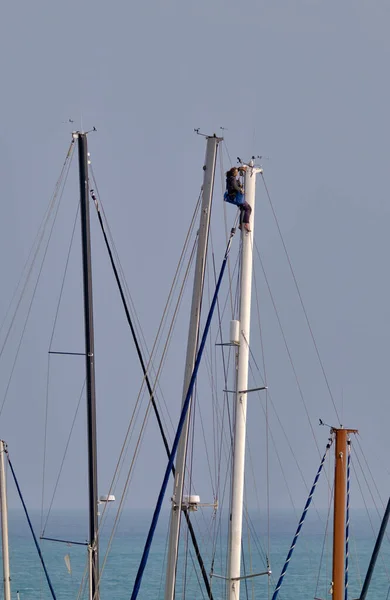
[
  {"x": 4, "y": 524},
  {"x": 241, "y": 398},
  {"x": 90, "y": 573},
  {"x": 192, "y": 347}
]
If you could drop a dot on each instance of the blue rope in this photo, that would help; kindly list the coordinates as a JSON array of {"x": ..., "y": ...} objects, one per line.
[
  {"x": 347, "y": 523},
  {"x": 149, "y": 539},
  {"x": 31, "y": 529},
  {"x": 298, "y": 531}
]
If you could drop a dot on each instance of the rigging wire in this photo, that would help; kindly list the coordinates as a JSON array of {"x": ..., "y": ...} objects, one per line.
[
  {"x": 330, "y": 499},
  {"x": 37, "y": 242},
  {"x": 63, "y": 458},
  {"x": 32, "y": 297},
  {"x": 288, "y": 350},
  {"x": 187, "y": 516},
  {"x": 301, "y": 299},
  {"x": 282, "y": 428},
  {"x": 164, "y": 562},
  {"x": 368, "y": 485},
  {"x": 151, "y": 392},
  {"x": 368, "y": 512},
  {"x": 266, "y": 426},
  {"x": 83, "y": 583},
  {"x": 308, "y": 502},
  {"x": 367, "y": 467},
  {"x": 48, "y": 370},
  {"x": 210, "y": 362},
  {"x": 129, "y": 429},
  {"x": 148, "y": 409},
  {"x": 346, "y": 581},
  {"x": 221, "y": 418},
  {"x": 173, "y": 289},
  {"x": 222, "y": 170},
  {"x": 141, "y": 569},
  {"x": 31, "y": 527},
  {"x": 375, "y": 552},
  {"x": 169, "y": 301}
]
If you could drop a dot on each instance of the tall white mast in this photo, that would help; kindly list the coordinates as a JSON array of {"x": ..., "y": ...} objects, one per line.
[
  {"x": 192, "y": 347},
  {"x": 234, "y": 562},
  {"x": 4, "y": 525}
]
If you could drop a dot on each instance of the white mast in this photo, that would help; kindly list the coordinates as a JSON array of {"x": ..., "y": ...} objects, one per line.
[
  {"x": 192, "y": 347},
  {"x": 234, "y": 562},
  {"x": 4, "y": 525}
]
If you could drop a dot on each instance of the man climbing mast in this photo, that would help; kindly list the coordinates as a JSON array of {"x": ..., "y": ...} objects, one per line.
[{"x": 235, "y": 195}]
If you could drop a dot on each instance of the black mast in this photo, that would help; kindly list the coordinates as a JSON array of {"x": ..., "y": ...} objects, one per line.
[{"x": 90, "y": 364}]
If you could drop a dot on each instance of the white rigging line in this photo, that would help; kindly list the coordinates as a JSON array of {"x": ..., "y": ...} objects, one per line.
[
  {"x": 164, "y": 319},
  {"x": 48, "y": 380},
  {"x": 301, "y": 300},
  {"x": 148, "y": 408},
  {"x": 287, "y": 350},
  {"x": 59, "y": 192},
  {"x": 37, "y": 241}
]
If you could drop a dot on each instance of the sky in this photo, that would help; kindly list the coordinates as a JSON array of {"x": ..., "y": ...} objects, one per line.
[{"x": 302, "y": 83}]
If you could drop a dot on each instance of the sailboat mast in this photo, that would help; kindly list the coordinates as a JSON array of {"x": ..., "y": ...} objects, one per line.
[
  {"x": 4, "y": 524},
  {"x": 192, "y": 346},
  {"x": 89, "y": 363},
  {"x": 340, "y": 505},
  {"x": 234, "y": 561}
]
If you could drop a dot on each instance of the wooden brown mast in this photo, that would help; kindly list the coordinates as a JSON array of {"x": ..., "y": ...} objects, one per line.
[{"x": 340, "y": 492}]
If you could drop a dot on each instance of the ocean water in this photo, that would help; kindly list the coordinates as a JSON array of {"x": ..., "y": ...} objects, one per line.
[{"x": 304, "y": 579}]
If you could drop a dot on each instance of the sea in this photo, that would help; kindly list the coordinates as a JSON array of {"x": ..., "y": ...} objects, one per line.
[{"x": 308, "y": 575}]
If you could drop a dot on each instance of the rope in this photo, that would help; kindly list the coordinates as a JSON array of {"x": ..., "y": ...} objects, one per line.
[
  {"x": 369, "y": 489},
  {"x": 298, "y": 531},
  {"x": 368, "y": 513},
  {"x": 301, "y": 300},
  {"x": 267, "y": 430},
  {"x": 150, "y": 391},
  {"x": 163, "y": 319},
  {"x": 186, "y": 403},
  {"x": 323, "y": 545},
  {"x": 171, "y": 292},
  {"x": 375, "y": 552},
  {"x": 222, "y": 170},
  {"x": 373, "y": 480},
  {"x": 48, "y": 378},
  {"x": 285, "y": 436},
  {"x": 347, "y": 521},
  {"x": 40, "y": 235},
  {"x": 31, "y": 528},
  {"x": 63, "y": 460},
  {"x": 69, "y": 155},
  {"x": 122, "y": 453},
  {"x": 288, "y": 350}
]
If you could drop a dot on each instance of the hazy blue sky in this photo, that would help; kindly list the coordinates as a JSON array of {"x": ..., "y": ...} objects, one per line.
[{"x": 305, "y": 83}]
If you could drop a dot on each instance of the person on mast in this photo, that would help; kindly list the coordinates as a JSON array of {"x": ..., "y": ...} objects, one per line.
[{"x": 235, "y": 195}]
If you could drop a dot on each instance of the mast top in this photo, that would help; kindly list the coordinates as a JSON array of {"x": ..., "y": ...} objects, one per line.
[
  {"x": 251, "y": 165},
  {"x": 207, "y": 136},
  {"x": 75, "y": 134},
  {"x": 336, "y": 429}
]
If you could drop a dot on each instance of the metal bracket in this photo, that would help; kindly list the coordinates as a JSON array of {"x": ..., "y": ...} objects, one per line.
[
  {"x": 264, "y": 387},
  {"x": 198, "y": 132},
  {"x": 68, "y": 353},
  {"x": 42, "y": 537}
]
